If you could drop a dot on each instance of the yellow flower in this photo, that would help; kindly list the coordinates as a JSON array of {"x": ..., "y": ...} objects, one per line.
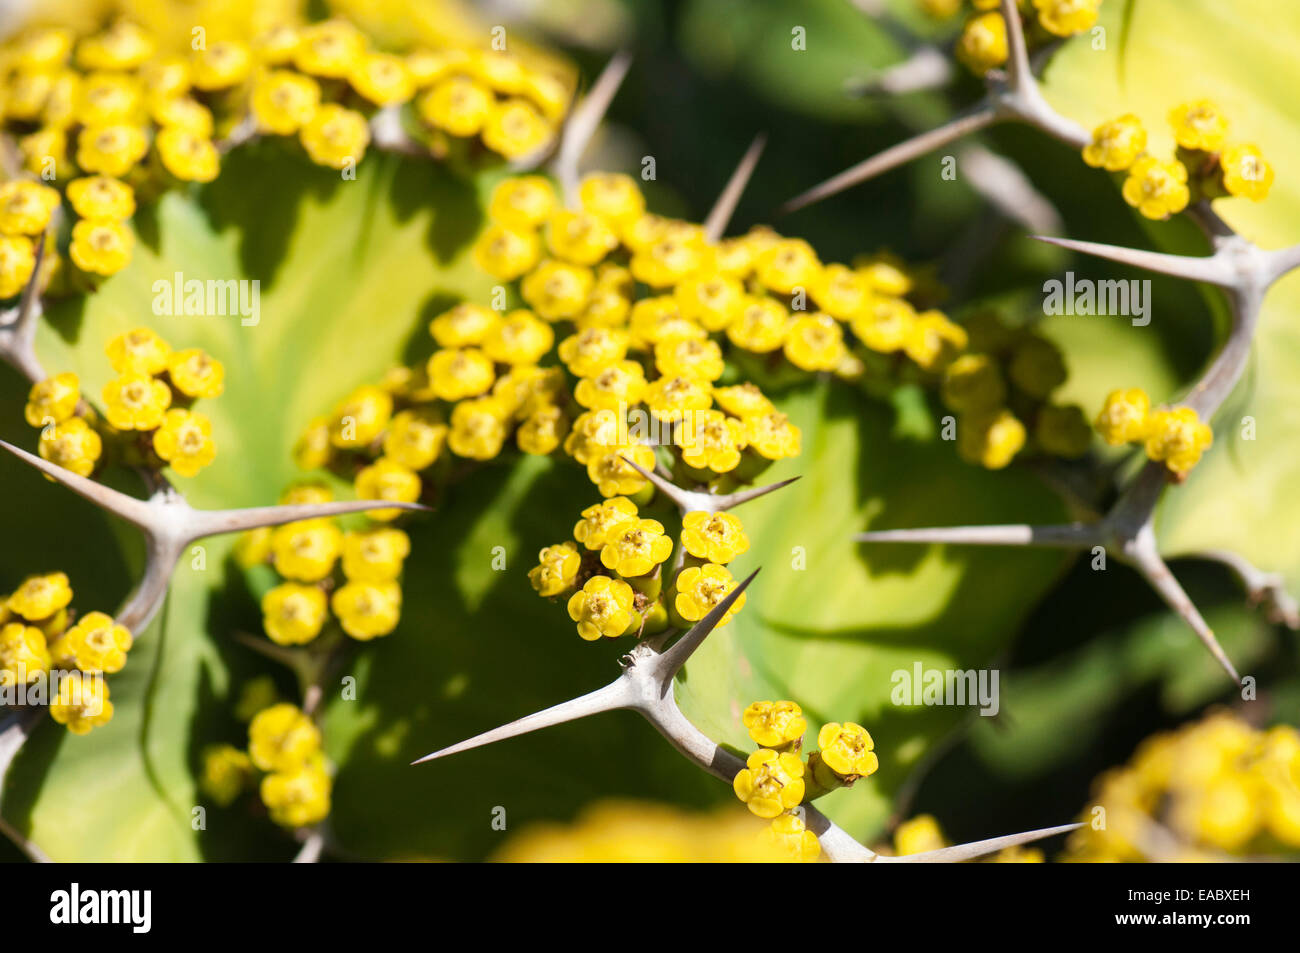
[
  {"x": 761, "y": 326},
  {"x": 788, "y": 265},
  {"x": 770, "y": 783},
  {"x": 672, "y": 399},
  {"x": 181, "y": 112},
  {"x": 100, "y": 198},
  {"x": 990, "y": 439},
  {"x": 527, "y": 388},
  {"x": 459, "y": 106},
  {"x": 23, "y": 655},
  {"x": 743, "y": 400},
  {"x": 579, "y": 237},
  {"x": 694, "y": 358},
  {"x": 1200, "y": 125},
  {"x": 335, "y": 137},
  {"x": 221, "y": 65},
  {"x": 713, "y": 301},
  {"x": 140, "y": 350},
  {"x": 814, "y": 343},
  {"x": 313, "y": 448},
  {"x": 388, "y": 480},
  {"x": 306, "y": 550},
  {"x": 700, "y": 588},
  {"x": 300, "y": 796},
  {"x": 42, "y": 48},
  {"x": 519, "y": 338},
  {"x": 772, "y": 436},
  {"x": 543, "y": 430},
  {"x": 506, "y": 253},
  {"x": 383, "y": 79},
  {"x": 556, "y": 289},
  {"x": 973, "y": 384},
  {"x": 501, "y": 71},
  {"x": 26, "y": 207},
  {"x": 195, "y": 374},
  {"x": 1067, "y": 17},
  {"x": 1063, "y": 431},
  {"x": 166, "y": 77},
  {"x": 463, "y": 325},
  {"x": 293, "y": 613},
  {"x": 1245, "y": 172},
  {"x": 281, "y": 738},
  {"x": 361, "y": 417},
  {"x": 54, "y": 400},
  {"x": 602, "y": 607},
  {"x": 515, "y": 129},
  {"x": 918, "y": 835},
  {"x": 717, "y": 537},
  {"x": 594, "y": 433},
  {"x": 885, "y": 324},
  {"x": 226, "y": 770},
  {"x": 983, "y": 43},
  {"x": 841, "y": 291},
  {"x": 331, "y": 49},
  {"x": 710, "y": 440},
  {"x": 367, "y": 610},
  {"x": 82, "y": 702},
  {"x": 253, "y": 547},
  {"x": 1156, "y": 188},
  {"x": 43, "y": 147},
  {"x": 611, "y": 473},
  {"x": 282, "y": 101},
  {"x": 101, "y": 248},
  {"x": 110, "y": 150},
  {"x": 847, "y": 749},
  {"x": 522, "y": 203},
  {"x": 136, "y": 401},
  {"x": 556, "y": 571},
  {"x": 615, "y": 198},
  {"x": 773, "y": 724},
  {"x": 277, "y": 45},
  {"x": 122, "y": 46},
  {"x": 592, "y": 350},
  {"x": 1178, "y": 438},
  {"x": 659, "y": 320},
  {"x": 374, "y": 555},
  {"x": 415, "y": 438},
  {"x": 478, "y": 428},
  {"x": 676, "y": 255},
  {"x": 94, "y": 644},
  {"x": 788, "y": 836},
  {"x": 933, "y": 341},
  {"x": 17, "y": 262},
  {"x": 185, "y": 441},
  {"x": 1116, "y": 144},
  {"x": 73, "y": 445},
  {"x": 1125, "y": 417},
  {"x": 636, "y": 547},
  {"x": 603, "y": 520},
  {"x": 457, "y": 373}
]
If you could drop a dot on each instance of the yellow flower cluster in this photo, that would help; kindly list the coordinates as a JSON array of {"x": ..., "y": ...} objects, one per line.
[
  {"x": 25, "y": 212},
  {"x": 615, "y": 569},
  {"x": 1175, "y": 435},
  {"x": 775, "y": 780},
  {"x": 1205, "y": 165},
  {"x": 982, "y": 45},
  {"x": 58, "y": 659},
  {"x": 285, "y": 745},
  {"x": 1215, "y": 789},
  {"x": 322, "y": 567}
]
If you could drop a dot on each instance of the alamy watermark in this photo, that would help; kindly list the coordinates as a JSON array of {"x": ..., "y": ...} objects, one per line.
[
  {"x": 954, "y": 687},
  {"x": 1130, "y": 298},
  {"x": 194, "y": 298},
  {"x": 85, "y": 690}
]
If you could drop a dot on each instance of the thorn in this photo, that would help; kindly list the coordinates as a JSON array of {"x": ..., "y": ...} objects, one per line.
[
  {"x": 720, "y": 215},
  {"x": 686, "y": 500},
  {"x": 311, "y": 849},
  {"x": 14, "y": 731},
  {"x": 979, "y": 117},
  {"x": 617, "y": 694},
  {"x": 1210, "y": 268},
  {"x": 927, "y": 68},
  {"x": 1280, "y": 263},
  {"x": 1262, "y": 588},
  {"x": 161, "y": 556},
  {"x": 129, "y": 508},
  {"x": 1064, "y": 536},
  {"x": 666, "y": 665},
  {"x": 216, "y": 522},
  {"x": 730, "y": 500},
  {"x": 1008, "y": 189},
  {"x": 584, "y": 119},
  {"x": 1019, "y": 75},
  {"x": 979, "y": 848}
]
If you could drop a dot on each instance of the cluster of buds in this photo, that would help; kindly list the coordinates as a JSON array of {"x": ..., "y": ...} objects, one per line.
[
  {"x": 1174, "y": 436},
  {"x": 983, "y": 44},
  {"x": 776, "y": 780},
  {"x": 1205, "y": 165},
  {"x": 49, "y": 656},
  {"x": 1217, "y": 789},
  {"x": 147, "y": 416},
  {"x": 284, "y": 744}
]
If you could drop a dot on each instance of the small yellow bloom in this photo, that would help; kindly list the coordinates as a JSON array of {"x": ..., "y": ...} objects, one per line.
[
  {"x": 527, "y": 389},
  {"x": 743, "y": 400},
  {"x": 543, "y": 430},
  {"x": 1125, "y": 417},
  {"x": 464, "y": 325},
  {"x": 717, "y": 537},
  {"x": 140, "y": 350},
  {"x": 282, "y": 738},
  {"x": 522, "y": 203},
  {"x": 277, "y": 45},
  {"x": 983, "y": 43},
  {"x": 23, "y": 655},
  {"x": 621, "y": 384},
  {"x": 515, "y": 128},
  {"x": 185, "y": 441},
  {"x": 790, "y": 837},
  {"x": 282, "y": 101},
  {"x": 1178, "y": 438},
  {"x": 383, "y": 79},
  {"x": 885, "y": 324},
  {"x": 841, "y": 291},
  {"x": 1156, "y": 188},
  {"x": 710, "y": 440},
  {"x": 360, "y": 418},
  {"x": 1067, "y": 17},
  {"x": 1200, "y": 125},
  {"x": 17, "y": 262},
  {"x": 374, "y": 555},
  {"x": 136, "y": 401},
  {"x": 772, "y": 436},
  {"x": 52, "y": 400},
  {"x": 991, "y": 439},
  {"x": 73, "y": 445},
  {"x": 101, "y": 199},
  {"x": 388, "y": 480},
  {"x": 415, "y": 438},
  {"x": 101, "y": 248},
  {"x": 166, "y": 77},
  {"x": 110, "y": 150},
  {"x": 82, "y": 702},
  {"x": 367, "y": 610},
  {"x": 593, "y": 434},
  {"x": 918, "y": 835},
  {"x": 556, "y": 289},
  {"x": 478, "y": 428},
  {"x": 770, "y": 783},
  {"x": 457, "y": 373},
  {"x": 335, "y": 137},
  {"x": 556, "y": 571},
  {"x": 601, "y": 521},
  {"x": 788, "y": 265},
  {"x": 713, "y": 301},
  {"x": 694, "y": 358},
  {"x": 330, "y": 49},
  {"x": 1116, "y": 144},
  {"x": 847, "y": 749},
  {"x": 773, "y": 724},
  {"x": 181, "y": 112},
  {"x": 293, "y": 613},
  {"x": 581, "y": 238},
  {"x": 459, "y": 106},
  {"x": 226, "y": 770},
  {"x": 614, "y": 197},
  {"x": 253, "y": 547},
  {"x": 42, "y": 48},
  {"x": 94, "y": 644},
  {"x": 122, "y": 46},
  {"x": 300, "y": 796},
  {"x": 1246, "y": 173},
  {"x": 700, "y": 588},
  {"x": 519, "y": 338},
  {"x": 221, "y": 65},
  {"x": 933, "y": 341},
  {"x": 679, "y": 253},
  {"x": 602, "y": 607},
  {"x": 195, "y": 374},
  {"x": 636, "y": 547},
  {"x": 306, "y": 550},
  {"x": 672, "y": 399},
  {"x": 612, "y": 475},
  {"x": 312, "y": 450},
  {"x": 761, "y": 327},
  {"x": 814, "y": 343},
  {"x": 26, "y": 207},
  {"x": 659, "y": 320},
  {"x": 506, "y": 253}
]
